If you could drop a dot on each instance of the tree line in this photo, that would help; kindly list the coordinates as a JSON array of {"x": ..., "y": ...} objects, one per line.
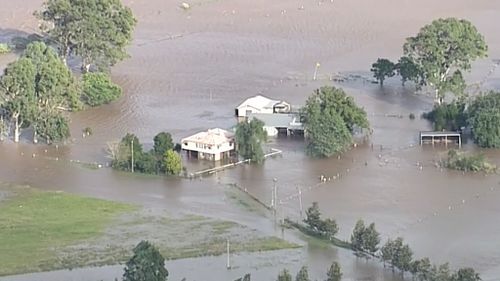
[
  {"x": 38, "y": 89},
  {"x": 129, "y": 155},
  {"x": 437, "y": 57},
  {"x": 365, "y": 242}
]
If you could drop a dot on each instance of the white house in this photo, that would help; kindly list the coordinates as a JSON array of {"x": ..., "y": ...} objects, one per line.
[
  {"x": 214, "y": 144},
  {"x": 261, "y": 104}
]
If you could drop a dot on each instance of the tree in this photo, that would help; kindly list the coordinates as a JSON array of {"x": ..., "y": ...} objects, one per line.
[
  {"x": 358, "y": 235},
  {"x": 284, "y": 276},
  {"x": 371, "y": 239},
  {"x": 465, "y": 274},
  {"x": 383, "y": 68},
  {"x": 162, "y": 143},
  {"x": 329, "y": 228},
  {"x": 484, "y": 118},
  {"x": 303, "y": 274},
  {"x": 330, "y": 117},
  {"x": 99, "y": 89},
  {"x": 444, "y": 48},
  {"x": 173, "y": 163},
  {"x": 408, "y": 70},
  {"x": 334, "y": 272},
  {"x": 399, "y": 255},
  {"x": 313, "y": 217},
  {"x": 146, "y": 163},
  {"x": 440, "y": 273},
  {"x": 96, "y": 30},
  {"x": 36, "y": 89},
  {"x": 448, "y": 116},
  {"x": 123, "y": 157},
  {"x": 147, "y": 264},
  {"x": 17, "y": 92},
  {"x": 421, "y": 269},
  {"x": 249, "y": 138}
]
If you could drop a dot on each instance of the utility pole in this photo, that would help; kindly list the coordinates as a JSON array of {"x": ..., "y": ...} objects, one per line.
[
  {"x": 228, "y": 264},
  {"x": 132, "y": 159},
  {"x": 316, "y": 71},
  {"x": 300, "y": 201},
  {"x": 275, "y": 196}
]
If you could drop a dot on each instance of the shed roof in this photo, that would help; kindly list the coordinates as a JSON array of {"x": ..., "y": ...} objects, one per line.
[
  {"x": 211, "y": 137},
  {"x": 259, "y": 102}
]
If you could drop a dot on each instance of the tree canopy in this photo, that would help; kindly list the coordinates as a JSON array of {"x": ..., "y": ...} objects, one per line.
[
  {"x": 383, "y": 68},
  {"x": 284, "y": 276},
  {"x": 98, "y": 89},
  {"x": 249, "y": 138},
  {"x": 334, "y": 272},
  {"x": 147, "y": 264},
  {"x": 303, "y": 274},
  {"x": 36, "y": 89},
  {"x": 330, "y": 117},
  {"x": 96, "y": 30},
  {"x": 484, "y": 118},
  {"x": 442, "y": 49},
  {"x": 173, "y": 162}
]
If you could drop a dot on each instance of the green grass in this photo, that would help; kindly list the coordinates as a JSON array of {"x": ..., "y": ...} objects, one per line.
[{"x": 35, "y": 224}]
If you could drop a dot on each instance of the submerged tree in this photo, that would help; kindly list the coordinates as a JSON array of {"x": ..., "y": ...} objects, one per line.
[
  {"x": 484, "y": 118},
  {"x": 443, "y": 49},
  {"x": 383, "y": 68},
  {"x": 284, "y": 276},
  {"x": 334, "y": 272},
  {"x": 249, "y": 139},
  {"x": 409, "y": 71},
  {"x": 96, "y": 30},
  {"x": 98, "y": 89},
  {"x": 303, "y": 274},
  {"x": 173, "y": 162},
  {"x": 147, "y": 264},
  {"x": 330, "y": 117}
]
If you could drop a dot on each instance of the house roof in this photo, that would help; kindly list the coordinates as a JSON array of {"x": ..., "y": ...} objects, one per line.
[
  {"x": 211, "y": 137},
  {"x": 279, "y": 120},
  {"x": 259, "y": 102}
]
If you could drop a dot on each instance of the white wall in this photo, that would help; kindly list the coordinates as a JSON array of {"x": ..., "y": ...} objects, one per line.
[{"x": 193, "y": 146}]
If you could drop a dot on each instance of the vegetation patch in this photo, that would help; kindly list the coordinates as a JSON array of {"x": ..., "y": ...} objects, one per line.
[
  {"x": 34, "y": 225},
  {"x": 4, "y": 48},
  {"x": 468, "y": 163}
]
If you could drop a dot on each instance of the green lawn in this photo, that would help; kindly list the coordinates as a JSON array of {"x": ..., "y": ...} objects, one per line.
[{"x": 35, "y": 224}]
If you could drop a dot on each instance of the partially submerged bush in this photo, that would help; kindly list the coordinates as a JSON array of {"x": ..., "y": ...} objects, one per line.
[
  {"x": 98, "y": 89},
  {"x": 4, "y": 48},
  {"x": 468, "y": 163}
]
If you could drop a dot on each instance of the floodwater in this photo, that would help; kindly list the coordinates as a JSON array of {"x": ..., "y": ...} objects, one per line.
[{"x": 189, "y": 69}]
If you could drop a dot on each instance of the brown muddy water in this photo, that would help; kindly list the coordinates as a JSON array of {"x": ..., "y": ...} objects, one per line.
[{"x": 189, "y": 69}]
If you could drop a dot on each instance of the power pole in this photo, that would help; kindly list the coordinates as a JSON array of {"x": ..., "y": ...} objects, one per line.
[
  {"x": 316, "y": 71},
  {"x": 132, "y": 159},
  {"x": 300, "y": 201},
  {"x": 275, "y": 196},
  {"x": 228, "y": 264}
]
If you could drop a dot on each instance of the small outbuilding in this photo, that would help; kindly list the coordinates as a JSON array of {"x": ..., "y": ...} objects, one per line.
[
  {"x": 214, "y": 144},
  {"x": 261, "y": 104}
]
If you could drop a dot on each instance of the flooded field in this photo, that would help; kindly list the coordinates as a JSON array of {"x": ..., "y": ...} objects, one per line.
[{"x": 189, "y": 69}]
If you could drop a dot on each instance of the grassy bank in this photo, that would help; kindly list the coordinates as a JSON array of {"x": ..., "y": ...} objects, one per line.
[
  {"x": 34, "y": 225},
  {"x": 42, "y": 231}
]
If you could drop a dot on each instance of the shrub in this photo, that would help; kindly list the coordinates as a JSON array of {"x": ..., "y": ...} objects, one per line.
[
  {"x": 98, "y": 89},
  {"x": 4, "y": 48}
]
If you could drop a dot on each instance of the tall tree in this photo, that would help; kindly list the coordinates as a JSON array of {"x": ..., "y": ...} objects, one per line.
[
  {"x": 408, "y": 70},
  {"x": 484, "y": 118},
  {"x": 122, "y": 158},
  {"x": 358, "y": 235},
  {"x": 444, "y": 48},
  {"x": 383, "y": 68},
  {"x": 249, "y": 139},
  {"x": 303, "y": 274},
  {"x": 284, "y": 276},
  {"x": 147, "y": 264},
  {"x": 313, "y": 217},
  {"x": 96, "y": 30},
  {"x": 17, "y": 92},
  {"x": 334, "y": 272},
  {"x": 330, "y": 117},
  {"x": 162, "y": 143},
  {"x": 371, "y": 239}
]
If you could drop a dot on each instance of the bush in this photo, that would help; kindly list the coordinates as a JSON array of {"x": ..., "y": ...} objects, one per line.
[
  {"x": 412, "y": 116},
  {"x": 484, "y": 118},
  {"x": 473, "y": 163},
  {"x": 4, "y": 48},
  {"x": 98, "y": 89},
  {"x": 450, "y": 117}
]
